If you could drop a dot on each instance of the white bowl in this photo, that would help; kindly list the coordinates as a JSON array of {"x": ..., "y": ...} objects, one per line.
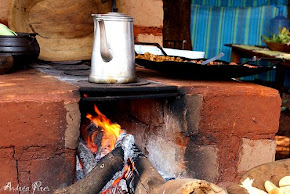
[
  {"x": 141, "y": 49},
  {"x": 184, "y": 53}
]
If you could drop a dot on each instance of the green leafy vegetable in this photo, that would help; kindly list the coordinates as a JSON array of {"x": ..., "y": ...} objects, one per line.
[
  {"x": 5, "y": 31},
  {"x": 282, "y": 37}
]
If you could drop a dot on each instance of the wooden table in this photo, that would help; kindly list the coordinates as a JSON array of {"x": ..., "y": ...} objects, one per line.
[{"x": 247, "y": 51}]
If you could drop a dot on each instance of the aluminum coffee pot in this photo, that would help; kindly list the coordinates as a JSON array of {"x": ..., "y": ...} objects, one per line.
[{"x": 113, "y": 56}]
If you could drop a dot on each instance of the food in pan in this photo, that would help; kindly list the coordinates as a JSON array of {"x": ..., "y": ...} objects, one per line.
[
  {"x": 158, "y": 58},
  {"x": 250, "y": 66},
  {"x": 210, "y": 63},
  {"x": 245, "y": 65}
]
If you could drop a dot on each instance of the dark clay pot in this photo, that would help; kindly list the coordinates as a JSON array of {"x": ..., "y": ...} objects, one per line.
[
  {"x": 24, "y": 43},
  {"x": 23, "y": 48}
]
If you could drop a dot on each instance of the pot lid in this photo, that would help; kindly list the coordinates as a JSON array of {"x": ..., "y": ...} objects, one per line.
[{"x": 113, "y": 16}]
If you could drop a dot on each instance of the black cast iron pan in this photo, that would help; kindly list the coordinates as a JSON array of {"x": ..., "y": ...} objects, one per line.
[
  {"x": 191, "y": 70},
  {"x": 223, "y": 71}
]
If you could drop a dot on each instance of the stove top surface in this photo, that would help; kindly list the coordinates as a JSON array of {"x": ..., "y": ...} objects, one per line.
[{"x": 77, "y": 72}]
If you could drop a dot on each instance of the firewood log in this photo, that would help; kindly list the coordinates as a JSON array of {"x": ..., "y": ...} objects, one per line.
[
  {"x": 148, "y": 178},
  {"x": 94, "y": 182},
  {"x": 150, "y": 181}
]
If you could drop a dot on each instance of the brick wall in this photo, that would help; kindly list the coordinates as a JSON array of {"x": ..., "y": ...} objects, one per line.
[
  {"x": 148, "y": 19},
  {"x": 213, "y": 131},
  {"x": 39, "y": 131}
]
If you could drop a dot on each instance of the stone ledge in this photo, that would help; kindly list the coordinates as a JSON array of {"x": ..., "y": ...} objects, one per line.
[
  {"x": 32, "y": 85},
  {"x": 239, "y": 108},
  {"x": 38, "y": 110},
  {"x": 39, "y": 131},
  {"x": 208, "y": 87}
]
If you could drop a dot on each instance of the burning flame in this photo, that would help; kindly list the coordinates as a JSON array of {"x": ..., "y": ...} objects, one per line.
[{"x": 111, "y": 132}]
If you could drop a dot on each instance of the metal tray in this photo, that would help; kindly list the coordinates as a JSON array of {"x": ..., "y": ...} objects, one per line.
[{"x": 197, "y": 71}]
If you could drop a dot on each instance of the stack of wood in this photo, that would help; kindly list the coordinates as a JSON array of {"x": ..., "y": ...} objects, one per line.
[
  {"x": 100, "y": 176},
  {"x": 148, "y": 180}
]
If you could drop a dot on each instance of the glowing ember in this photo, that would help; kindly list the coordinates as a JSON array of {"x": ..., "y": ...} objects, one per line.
[
  {"x": 91, "y": 143},
  {"x": 128, "y": 173},
  {"x": 111, "y": 132}
]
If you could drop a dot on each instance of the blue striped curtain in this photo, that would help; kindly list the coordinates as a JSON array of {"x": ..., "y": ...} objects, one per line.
[
  {"x": 218, "y": 22},
  {"x": 239, "y": 3}
]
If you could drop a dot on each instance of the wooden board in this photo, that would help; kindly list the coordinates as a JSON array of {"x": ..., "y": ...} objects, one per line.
[{"x": 65, "y": 27}]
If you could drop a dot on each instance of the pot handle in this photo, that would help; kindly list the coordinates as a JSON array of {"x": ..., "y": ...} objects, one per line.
[
  {"x": 275, "y": 61},
  {"x": 32, "y": 38},
  {"x": 104, "y": 48}
]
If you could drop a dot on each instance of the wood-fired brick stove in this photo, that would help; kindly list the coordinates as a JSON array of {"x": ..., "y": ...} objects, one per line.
[{"x": 193, "y": 132}]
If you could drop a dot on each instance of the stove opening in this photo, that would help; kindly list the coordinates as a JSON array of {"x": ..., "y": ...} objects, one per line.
[
  {"x": 112, "y": 155},
  {"x": 99, "y": 137}
]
